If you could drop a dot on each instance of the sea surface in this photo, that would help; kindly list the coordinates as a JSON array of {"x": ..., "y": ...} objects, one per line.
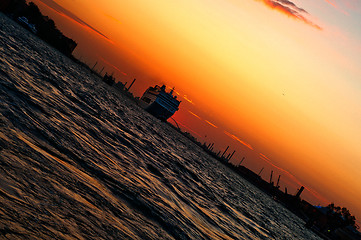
[{"x": 80, "y": 161}]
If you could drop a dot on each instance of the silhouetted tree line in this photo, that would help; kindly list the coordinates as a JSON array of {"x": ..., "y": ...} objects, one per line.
[
  {"x": 340, "y": 217},
  {"x": 46, "y": 28}
]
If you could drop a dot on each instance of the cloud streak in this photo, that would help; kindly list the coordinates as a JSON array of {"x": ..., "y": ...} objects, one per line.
[
  {"x": 291, "y": 10},
  {"x": 239, "y": 140},
  {"x": 211, "y": 124},
  {"x": 113, "y": 66},
  {"x": 68, "y": 14},
  {"x": 195, "y": 115},
  {"x": 353, "y": 5},
  {"x": 185, "y": 97}
]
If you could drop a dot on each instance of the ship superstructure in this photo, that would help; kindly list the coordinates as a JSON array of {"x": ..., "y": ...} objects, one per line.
[{"x": 159, "y": 103}]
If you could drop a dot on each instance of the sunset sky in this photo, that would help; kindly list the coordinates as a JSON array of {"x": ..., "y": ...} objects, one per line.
[{"x": 278, "y": 81}]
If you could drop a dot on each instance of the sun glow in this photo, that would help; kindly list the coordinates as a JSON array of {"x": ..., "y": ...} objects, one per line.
[{"x": 284, "y": 75}]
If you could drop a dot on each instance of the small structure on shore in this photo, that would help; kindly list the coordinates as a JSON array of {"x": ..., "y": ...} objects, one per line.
[{"x": 109, "y": 79}]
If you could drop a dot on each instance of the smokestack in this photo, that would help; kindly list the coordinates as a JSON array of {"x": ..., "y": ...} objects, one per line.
[
  {"x": 100, "y": 73},
  {"x": 94, "y": 65},
  {"x": 231, "y": 155},
  {"x": 278, "y": 181},
  {"x": 270, "y": 180},
  {"x": 209, "y": 146},
  {"x": 300, "y": 191},
  {"x": 241, "y": 161},
  {"x": 131, "y": 84}
]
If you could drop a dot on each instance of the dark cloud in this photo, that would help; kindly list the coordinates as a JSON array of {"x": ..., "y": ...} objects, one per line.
[
  {"x": 292, "y": 5},
  {"x": 290, "y": 9},
  {"x": 56, "y": 7}
]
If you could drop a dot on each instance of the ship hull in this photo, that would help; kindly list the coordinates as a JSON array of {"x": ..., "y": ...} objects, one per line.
[
  {"x": 159, "y": 103},
  {"x": 159, "y": 111}
]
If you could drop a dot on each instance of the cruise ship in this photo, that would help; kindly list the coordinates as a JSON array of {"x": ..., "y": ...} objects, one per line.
[{"x": 159, "y": 103}]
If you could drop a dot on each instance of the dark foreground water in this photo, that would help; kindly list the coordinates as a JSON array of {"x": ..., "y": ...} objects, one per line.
[{"x": 80, "y": 161}]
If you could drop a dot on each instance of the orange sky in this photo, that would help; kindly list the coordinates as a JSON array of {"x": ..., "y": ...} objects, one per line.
[{"x": 278, "y": 81}]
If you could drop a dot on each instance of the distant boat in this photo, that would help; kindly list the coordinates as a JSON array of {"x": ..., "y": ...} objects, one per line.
[
  {"x": 159, "y": 103},
  {"x": 25, "y": 23}
]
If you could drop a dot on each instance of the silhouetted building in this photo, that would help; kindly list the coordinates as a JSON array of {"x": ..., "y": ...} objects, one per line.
[
  {"x": 109, "y": 79},
  {"x": 14, "y": 7}
]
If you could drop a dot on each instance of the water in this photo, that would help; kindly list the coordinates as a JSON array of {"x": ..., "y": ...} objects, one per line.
[{"x": 80, "y": 161}]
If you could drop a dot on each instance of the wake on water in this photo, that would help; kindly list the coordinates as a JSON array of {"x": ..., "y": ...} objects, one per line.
[{"x": 80, "y": 161}]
